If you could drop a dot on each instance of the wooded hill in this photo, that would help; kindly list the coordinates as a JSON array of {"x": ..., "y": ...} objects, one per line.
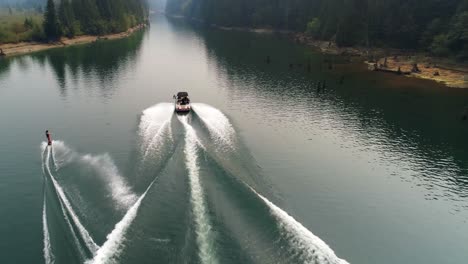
[
  {"x": 32, "y": 20},
  {"x": 94, "y": 17},
  {"x": 436, "y": 26}
]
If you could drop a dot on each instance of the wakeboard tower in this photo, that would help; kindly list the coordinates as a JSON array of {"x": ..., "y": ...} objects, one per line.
[{"x": 182, "y": 102}]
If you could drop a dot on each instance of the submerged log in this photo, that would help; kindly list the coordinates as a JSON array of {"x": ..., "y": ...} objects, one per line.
[{"x": 398, "y": 71}]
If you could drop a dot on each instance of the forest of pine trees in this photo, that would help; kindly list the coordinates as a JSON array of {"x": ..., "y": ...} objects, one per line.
[
  {"x": 95, "y": 17},
  {"x": 48, "y": 20},
  {"x": 437, "y": 26}
]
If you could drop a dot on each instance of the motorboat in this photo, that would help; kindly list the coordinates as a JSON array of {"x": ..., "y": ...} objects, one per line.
[{"x": 182, "y": 102}]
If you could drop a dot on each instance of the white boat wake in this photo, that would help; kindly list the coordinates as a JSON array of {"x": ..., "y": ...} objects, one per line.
[
  {"x": 155, "y": 123},
  {"x": 103, "y": 167},
  {"x": 48, "y": 255},
  {"x": 311, "y": 248},
  {"x": 111, "y": 249},
  {"x": 205, "y": 235},
  {"x": 217, "y": 123},
  {"x": 67, "y": 209}
]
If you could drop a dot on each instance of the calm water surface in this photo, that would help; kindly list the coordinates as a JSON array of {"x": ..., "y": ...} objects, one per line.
[{"x": 265, "y": 170}]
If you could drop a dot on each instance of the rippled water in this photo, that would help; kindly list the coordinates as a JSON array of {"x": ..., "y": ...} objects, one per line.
[{"x": 267, "y": 169}]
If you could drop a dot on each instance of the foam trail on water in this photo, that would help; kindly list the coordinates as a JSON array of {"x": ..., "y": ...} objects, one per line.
[
  {"x": 43, "y": 151},
  {"x": 311, "y": 248},
  {"x": 92, "y": 247},
  {"x": 61, "y": 154},
  {"x": 48, "y": 255},
  {"x": 111, "y": 249},
  {"x": 121, "y": 193},
  {"x": 315, "y": 250},
  {"x": 217, "y": 123},
  {"x": 64, "y": 211},
  {"x": 205, "y": 237},
  {"x": 154, "y": 123},
  {"x": 103, "y": 165}
]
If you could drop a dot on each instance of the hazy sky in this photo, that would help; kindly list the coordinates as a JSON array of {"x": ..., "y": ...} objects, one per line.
[
  {"x": 157, "y": 4},
  {"x": 14, "y": 2}
]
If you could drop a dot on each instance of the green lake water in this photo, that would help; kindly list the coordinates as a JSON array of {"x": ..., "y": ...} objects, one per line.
[{"x": 372, "y": 169}]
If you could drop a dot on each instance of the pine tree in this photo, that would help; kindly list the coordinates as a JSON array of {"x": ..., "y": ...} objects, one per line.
[
  {"x": 51, "y": 24},
  {"x": 67, "y": 18}
]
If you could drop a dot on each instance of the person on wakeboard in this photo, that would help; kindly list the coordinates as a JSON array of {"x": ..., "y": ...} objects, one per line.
[{"x": 49, "y": 139}]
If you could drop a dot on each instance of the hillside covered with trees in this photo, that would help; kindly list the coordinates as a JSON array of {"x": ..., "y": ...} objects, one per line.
[
  {"x": 51, "y": 19},
  {"x": 94, "y": 17},
  {"x": 437, "y": 26}
]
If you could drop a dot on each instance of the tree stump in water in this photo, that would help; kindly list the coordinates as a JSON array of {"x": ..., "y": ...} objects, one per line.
[
  {"x": 2, "y": 53},
  {"x": 341, "y": 80},
  {"x": 318, "y": 86},
  {"x": 415, "y": 68}
]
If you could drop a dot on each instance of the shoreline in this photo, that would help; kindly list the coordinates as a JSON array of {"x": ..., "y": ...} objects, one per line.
[
  {"x": 12, "y": 49},
  {"x": 406, "y": 63},
  {"x": 391, "y": 61}
]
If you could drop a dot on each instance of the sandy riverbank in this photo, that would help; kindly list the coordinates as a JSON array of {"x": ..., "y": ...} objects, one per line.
[
  {"x": 429, "y": 68},
  {"x": 28, "y": 47},
  {"x": 452, "y": 75}
]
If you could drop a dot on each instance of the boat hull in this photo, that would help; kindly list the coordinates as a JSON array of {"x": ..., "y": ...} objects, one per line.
[{"x": 183, "y": 109}]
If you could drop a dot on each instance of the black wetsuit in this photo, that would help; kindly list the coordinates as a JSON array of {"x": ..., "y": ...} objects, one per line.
[{"x": 49, "y": 140}]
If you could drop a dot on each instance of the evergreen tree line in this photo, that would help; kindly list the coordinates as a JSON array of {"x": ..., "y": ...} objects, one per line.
[
  {"x": 436, "y": 26},
  {"x": 95, "y": 17}
]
